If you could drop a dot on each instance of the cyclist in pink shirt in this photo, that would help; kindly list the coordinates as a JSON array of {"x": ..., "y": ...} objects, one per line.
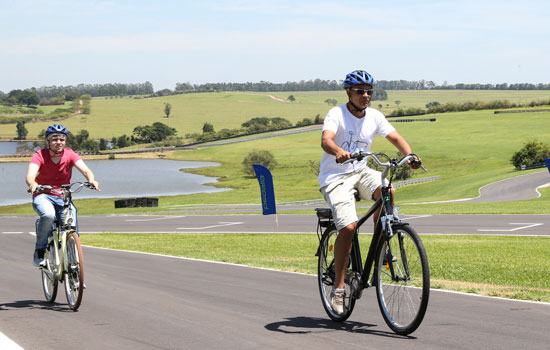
[{"x": 52, "y": 166}]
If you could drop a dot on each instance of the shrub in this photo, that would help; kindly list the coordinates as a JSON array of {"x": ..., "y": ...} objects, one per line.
[
  {"x": 264, "y": 158},
  {"x": 304, "y": 122},
  {"x": 207, "y": 127},
  {"x": 532, "y": 153}
]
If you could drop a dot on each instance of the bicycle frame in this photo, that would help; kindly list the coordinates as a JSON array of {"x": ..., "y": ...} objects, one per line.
[
  {"x": 377, "y": 239},
  {"x": 59, "y": 236}
]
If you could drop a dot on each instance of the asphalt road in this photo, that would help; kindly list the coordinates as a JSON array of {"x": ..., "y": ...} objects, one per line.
[
  {"x": 140, "y": 301},
  {"x": 513, "y": 189},
  {"x": 424, "y": 224}
]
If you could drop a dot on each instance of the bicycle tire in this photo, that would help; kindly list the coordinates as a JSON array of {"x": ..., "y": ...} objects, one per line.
[
  {"x": 403, "y": 303},
  {"x": 49, "y": 281},
  {"x": 74, "y": 274},
  {"x": 326, "y": 276}
]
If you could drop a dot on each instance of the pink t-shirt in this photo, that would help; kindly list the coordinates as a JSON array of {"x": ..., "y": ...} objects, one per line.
[{"x": 50, "y": 173}]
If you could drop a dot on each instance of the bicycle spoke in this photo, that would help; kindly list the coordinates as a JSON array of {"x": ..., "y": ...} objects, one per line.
[
  {"x": 49, "y": 280},
  {"x": 74, "y": 275}
]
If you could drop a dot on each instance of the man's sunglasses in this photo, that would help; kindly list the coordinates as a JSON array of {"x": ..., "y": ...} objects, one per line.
[{"x": 362, "y": 91}]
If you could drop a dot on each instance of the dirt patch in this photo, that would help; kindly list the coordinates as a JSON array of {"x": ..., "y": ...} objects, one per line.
[{"x": 276, "y": 98}]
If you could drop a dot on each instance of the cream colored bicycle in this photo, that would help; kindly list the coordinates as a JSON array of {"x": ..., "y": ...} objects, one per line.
[{"x": 63, "y": 256}]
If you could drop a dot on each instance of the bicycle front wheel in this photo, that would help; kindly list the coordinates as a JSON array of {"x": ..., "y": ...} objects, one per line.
[
  {"x": 74, "y": 274},
  {"x": 326, "y": 276},
  {"x": 49, "y": 280},
  {"x": 402, "y": 280}
]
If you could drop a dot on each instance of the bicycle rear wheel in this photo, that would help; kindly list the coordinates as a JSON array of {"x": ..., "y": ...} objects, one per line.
[
  {"x": 403, "y": 297},
  {"x": 326, "y": 276},
  {"x": 49, "y": 281},
  {"x": 74, "y": 275}
]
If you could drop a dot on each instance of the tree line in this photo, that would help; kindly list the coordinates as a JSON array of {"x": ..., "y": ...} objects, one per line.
[
  {"x": 333, "y": 85},
  {"x": 69, "y": 93},
  {"x": 436, "y": 107}
]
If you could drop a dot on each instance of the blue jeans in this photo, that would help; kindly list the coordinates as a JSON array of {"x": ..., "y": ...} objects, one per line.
[{"x": 48, "y": 208}]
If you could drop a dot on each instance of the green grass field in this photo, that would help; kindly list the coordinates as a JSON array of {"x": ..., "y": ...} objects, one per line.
[
  {"x": 467, "y": 150},
  {"x": 113, "y": 117},
  {"x": 471, "y": 264}
]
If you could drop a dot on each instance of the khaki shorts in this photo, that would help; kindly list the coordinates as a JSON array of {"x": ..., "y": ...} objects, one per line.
[{"x": 340, "y": 195}]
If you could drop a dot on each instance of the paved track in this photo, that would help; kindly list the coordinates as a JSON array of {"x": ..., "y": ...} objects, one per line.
[
  {"x": 138, "y": 301},
  {"x": 513, "y": 189},
  {"x": 424, "y": 224}
]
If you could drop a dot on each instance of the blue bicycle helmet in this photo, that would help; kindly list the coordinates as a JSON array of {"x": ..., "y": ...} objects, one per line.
[
  {"x": 56, "y": 129},
  {"x": 358, "y": 77}
]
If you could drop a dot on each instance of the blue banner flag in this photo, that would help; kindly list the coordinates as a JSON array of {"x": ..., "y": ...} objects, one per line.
[
  {"x": 266, "y": 188},
  {"x": 547, "y": 161}
]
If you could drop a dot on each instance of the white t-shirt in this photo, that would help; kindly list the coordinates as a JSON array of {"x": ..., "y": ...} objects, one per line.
[{"x": 352, "y": 134}]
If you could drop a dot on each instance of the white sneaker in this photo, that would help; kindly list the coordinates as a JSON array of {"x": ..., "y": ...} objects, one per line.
[{"x": 337, "y": 300}]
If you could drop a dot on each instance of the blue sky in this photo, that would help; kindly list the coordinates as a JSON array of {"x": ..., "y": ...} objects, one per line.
[{"x": 57, "y": 42}]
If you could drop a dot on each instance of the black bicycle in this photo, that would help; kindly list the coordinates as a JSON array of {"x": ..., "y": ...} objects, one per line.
[{"x": 401, "y": 273}]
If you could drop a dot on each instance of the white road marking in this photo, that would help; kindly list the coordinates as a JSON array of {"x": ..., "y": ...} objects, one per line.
[
  {"x": 526, "y": 225},
  {"x": 412, "y": 217},
  {"x": 156, "y": 219},
  {"x": 8, "y": 344},
  {"x": 12, "y": 233},
  {"x": 221, "y": 224}
]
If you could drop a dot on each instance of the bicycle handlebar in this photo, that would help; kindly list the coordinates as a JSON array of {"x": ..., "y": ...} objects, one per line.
[
  {"x": 393, "y": 163},
  {"x": 68, "y": 187}
]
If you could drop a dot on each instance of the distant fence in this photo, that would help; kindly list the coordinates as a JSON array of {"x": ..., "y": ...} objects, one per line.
[
  {"x": 534, "y": 166},
  {"x": 52, "y": 103},
  {"x": 523, "y": 111},
  {"x": 412, "y": 120},
  {"x": 415, "y": 181},
  {"x": 137, "y": 202}
]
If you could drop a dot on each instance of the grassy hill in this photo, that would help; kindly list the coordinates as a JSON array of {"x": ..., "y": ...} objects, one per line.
[
  {"x": 116, "y": 116},
  {"x": 467, "y": 150}
]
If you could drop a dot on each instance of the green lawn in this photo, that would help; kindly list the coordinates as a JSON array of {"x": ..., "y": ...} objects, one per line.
[
  {"x": 467, "y": 150},
  {"x": 116, "y": 116},
  {"x": 472, "y": 264}
]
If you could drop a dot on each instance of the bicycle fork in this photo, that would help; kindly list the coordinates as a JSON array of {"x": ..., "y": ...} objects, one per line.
[{"x": 56, "y": 271}]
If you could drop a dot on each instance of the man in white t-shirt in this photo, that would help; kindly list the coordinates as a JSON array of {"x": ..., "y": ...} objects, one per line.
[{"x": 348, "y": 128}]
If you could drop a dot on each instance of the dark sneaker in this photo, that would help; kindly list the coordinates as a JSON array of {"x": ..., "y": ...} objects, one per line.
[
  {"x": 337, "y": 301},
  {"x": 38, "y": 258}
]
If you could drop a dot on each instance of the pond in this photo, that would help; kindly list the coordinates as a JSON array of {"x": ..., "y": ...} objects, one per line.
[
  {"x": 11, "y": 147},
  {"x": 118, "y": 179}
]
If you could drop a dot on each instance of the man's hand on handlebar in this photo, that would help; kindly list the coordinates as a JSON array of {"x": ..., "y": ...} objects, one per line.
[
  {"x": 342, "y": 156},
  {"x": 415, "y": 163}
]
